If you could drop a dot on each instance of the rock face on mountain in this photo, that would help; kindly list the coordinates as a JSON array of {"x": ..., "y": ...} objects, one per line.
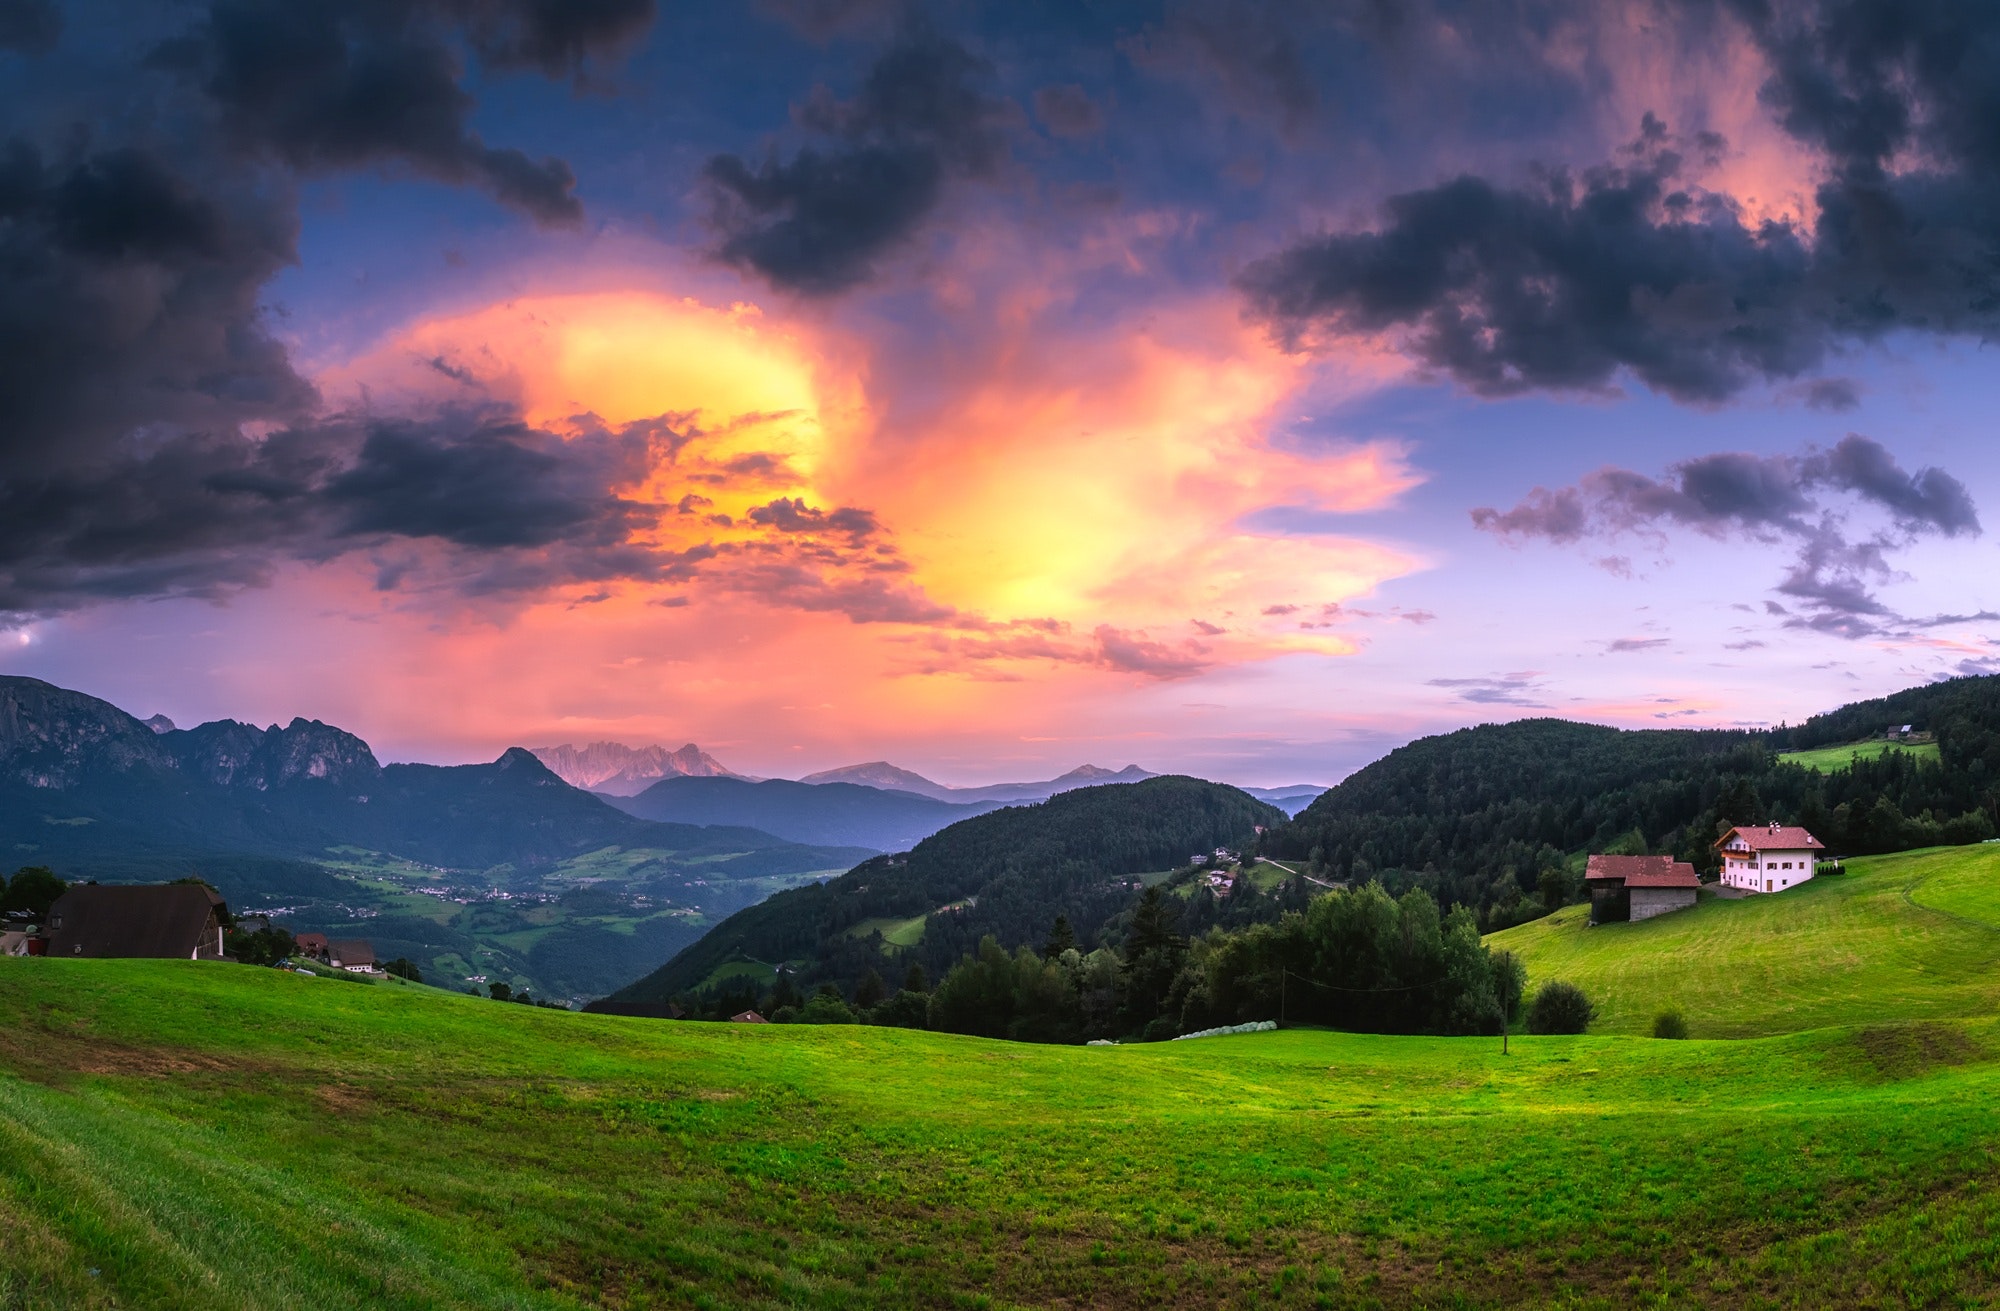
[
  {"x": 54, "y": 738},
  {"x": 233, "y": 754},
  {"x": 623, "y": 771}
]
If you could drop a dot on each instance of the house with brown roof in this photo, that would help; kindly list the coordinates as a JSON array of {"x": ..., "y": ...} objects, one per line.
[
  {"x": 747, "y": 1017},
  {"x": 174, "y": 921},
  {"x": 1638, "y": 887},
  {"x": 1767, "y": 857},
  {"x": 353, "y": 955},
  {"x": 310, "y": 944}
]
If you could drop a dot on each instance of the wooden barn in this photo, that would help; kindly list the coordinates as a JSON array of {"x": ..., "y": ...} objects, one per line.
[
  {"x": 172, "y": 920},
  {"x": 1638, "y": 887}
]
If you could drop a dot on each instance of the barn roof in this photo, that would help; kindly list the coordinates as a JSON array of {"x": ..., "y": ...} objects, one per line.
[
  {"x": 1771, "y": 837},
  {"x": 1642, "y": 871},
  {"x": 156, "y": 920},
  {"x": 353, "y": 951}
]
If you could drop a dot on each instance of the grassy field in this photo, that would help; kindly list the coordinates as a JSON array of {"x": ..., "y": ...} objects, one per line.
[
  {"x": 186, "y": 1135},
  {"x": 175, "y": 1134},
  {"x": 1903, "y": 937},
  {"x": 1828, "y": 759}
]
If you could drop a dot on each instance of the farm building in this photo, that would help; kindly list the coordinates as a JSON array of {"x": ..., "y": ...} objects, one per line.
[
  {"x": 1767, "y": 857},
  {"x": 172, "y": 920},
  {"x": 354, "y": 956},
  {"x": 311, "y": 944},
  {"x": 1638, "y": 887}
]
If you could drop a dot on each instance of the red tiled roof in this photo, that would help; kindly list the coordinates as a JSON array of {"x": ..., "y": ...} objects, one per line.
[
  {"x": 1762, "y": 837},
  {"x": 1643, "y": 871}
]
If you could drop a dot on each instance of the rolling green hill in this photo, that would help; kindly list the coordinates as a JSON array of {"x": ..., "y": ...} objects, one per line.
[
  {"x": 1008, "y": 873},
  {"x": 1904, "y": 937},
  {"x": 202, "y": 1136},
  {"x": 1499, "y": 817}
]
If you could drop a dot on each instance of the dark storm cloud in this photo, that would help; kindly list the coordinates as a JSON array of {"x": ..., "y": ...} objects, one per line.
[
  {"x": 790, "y": 514},
  {"x": 342, "y": 85},
  {"x": 30, "y": 26},
  {"x": 155, "y": 438},
  {"x": 201, "y": 515},
  {"x": 818, "y": 222},
  {"x": 1569, "y": 281},
  {"x": 1770, "y": 499}
]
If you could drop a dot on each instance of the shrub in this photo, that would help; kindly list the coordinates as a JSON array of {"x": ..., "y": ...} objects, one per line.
[
  {"x": 1670, "y": 1024},
  {"x": 1560, "y": 1008}
]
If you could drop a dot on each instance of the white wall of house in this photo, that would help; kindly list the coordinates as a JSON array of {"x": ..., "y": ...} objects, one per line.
[{"x": 1765, "y": 871}]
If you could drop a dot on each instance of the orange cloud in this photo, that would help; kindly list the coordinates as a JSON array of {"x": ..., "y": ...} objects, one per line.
[{"x": 1077, "y": 501}]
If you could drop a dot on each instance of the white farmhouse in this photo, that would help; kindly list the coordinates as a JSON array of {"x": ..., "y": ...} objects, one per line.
[{"x": 1767, "y": 858}]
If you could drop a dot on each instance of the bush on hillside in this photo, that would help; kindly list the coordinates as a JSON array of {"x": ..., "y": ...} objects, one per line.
[
  {"x": 826, "y": 1008},
  {"x": 1670, "y": 1024},
  {"x": 1560, "y": 1008}
]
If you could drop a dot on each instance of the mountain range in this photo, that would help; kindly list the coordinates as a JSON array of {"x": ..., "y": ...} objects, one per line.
[
  {"x": 614, "y": 769},
  {"x": 499, "y": 869}
]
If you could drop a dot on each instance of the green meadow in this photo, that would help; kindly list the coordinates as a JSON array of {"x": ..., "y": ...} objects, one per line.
[
  {"x": 1905, "y": 937},
  {"x": 1828, "y": 759},
  {"x": 202, "y": 1135}
]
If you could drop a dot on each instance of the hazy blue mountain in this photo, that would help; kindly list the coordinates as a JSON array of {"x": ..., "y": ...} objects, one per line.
[
  {"x": 882, "y": 774},
  {"x": 846, "y": 814}
]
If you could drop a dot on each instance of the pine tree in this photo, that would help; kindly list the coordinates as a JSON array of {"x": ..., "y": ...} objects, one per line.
[{"x": 1061, "y": 939}]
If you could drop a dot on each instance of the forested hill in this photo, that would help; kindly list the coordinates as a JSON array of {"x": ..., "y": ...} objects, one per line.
[
  {"x": 1008, "y": 873},
  {"x": 1497, "y": 817}
]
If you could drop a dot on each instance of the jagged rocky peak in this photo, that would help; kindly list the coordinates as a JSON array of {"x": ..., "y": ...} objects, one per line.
[
  {"x": 159, "y": 724},
  {"x": 51, "y": 737},
  {"x": 235, "y": 754},
  {"x": 627, "y": 771}
]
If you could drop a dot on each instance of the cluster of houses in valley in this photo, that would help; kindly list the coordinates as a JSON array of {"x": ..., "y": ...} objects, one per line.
[
  {"x": 165, "y": 921},
  {"x": 1755, "y": 859}
]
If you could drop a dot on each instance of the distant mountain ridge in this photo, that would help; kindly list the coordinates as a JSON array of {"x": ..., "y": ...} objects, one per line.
[
  {"x": 882, "y": 774},
  {"x": 622, "y": 771},
  {"x": 842, "y": 814},
  {"x": 94, "y": 790}
]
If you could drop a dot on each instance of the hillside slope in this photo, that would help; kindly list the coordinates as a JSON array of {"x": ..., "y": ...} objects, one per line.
[
  {"x": 1008, "y": 873},
  {"x": 836, "y": 814},
  {"x": 1498, "y": 817},
  {"x": 185, "y": 1137},
  {"x": 1909, "y": 936}
]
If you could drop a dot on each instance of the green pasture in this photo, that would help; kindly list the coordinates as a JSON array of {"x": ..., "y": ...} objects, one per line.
[
  {"x": 895, "y": 932},
  {"x": 175, "y": 1134},
  {"x": 1828, "y": 759},
  {"x": 1903, "y": 937}
]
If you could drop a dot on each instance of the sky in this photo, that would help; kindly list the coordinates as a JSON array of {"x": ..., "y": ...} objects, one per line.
[{"x": 1233, "y": 389}]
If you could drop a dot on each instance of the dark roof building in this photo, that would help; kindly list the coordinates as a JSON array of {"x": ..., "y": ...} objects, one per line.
[
  {"x": 311, "y": 944},
  {"x": 175, "y": 921},
  {"x": 353, "y": 954},
  {"x": 747, "y": 1017},
  {"x": 1638, "y": 887}
]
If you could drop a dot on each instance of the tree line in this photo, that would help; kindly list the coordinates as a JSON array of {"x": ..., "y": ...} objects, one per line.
[{"x": 1357, "y": 959}]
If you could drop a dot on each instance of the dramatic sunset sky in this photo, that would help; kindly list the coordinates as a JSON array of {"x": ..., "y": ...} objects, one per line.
[{"x": 1235, "y": 389}]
